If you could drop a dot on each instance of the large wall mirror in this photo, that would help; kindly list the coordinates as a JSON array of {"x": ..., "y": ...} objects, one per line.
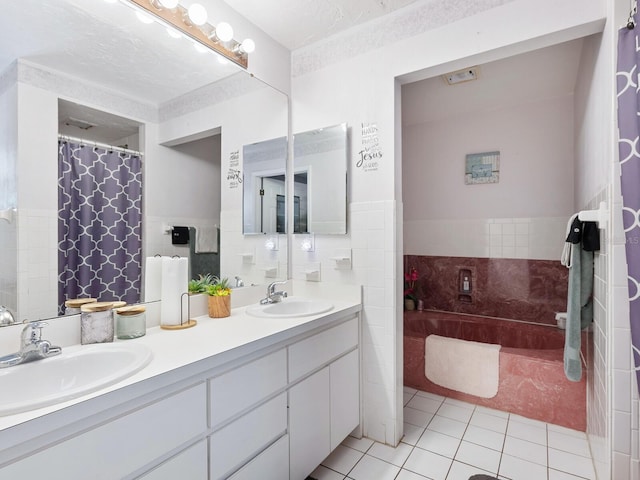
[
  {"x": 320, "y": 181},
  {"x": 106, "y": 77}
]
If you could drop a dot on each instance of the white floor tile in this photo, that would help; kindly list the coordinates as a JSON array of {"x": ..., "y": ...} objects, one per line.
[
  {"x": 565, "y": 431},
  {"x": 527, "y": 421},
  {"x": 570, "y": 463},
  {"x": 410, "y": 390},
  {"x": 417, "y": 417},
  {"x": 406, "y": 397},
  {"x": 408, "y": 475},
  {"x": 428, "y": 464},
  {"x": 482, "y": 436},
  {"x": 462, "y": 471},
  {"x": 396, "y": 456},
  {"x": 524, "y": 431},
  {"x": 532, "y": 452},
  {"x": 433, "y": 396},
  {"x": 459, "y": 403},
  {"x": 450, "y": 427},
  {"x": 439, "y": 443},
  {"x": 490, "y": 422},
  {"x": 323, "y": 473},
  {"x": 361, "y": 444},
  {"x": 518, "y": 469},
  {"x": 478, "y": 456},
  {"x": 342, "y": 459},
  {"x": 556, "y": 475},
  {"x": 492, "y": 411},
  {"x": 569, "y": 443},
  {"x": 369, "y": 468},
  {"x": 425, "y": 404},
  {"x": 411, "y": 434},
  {"x": 455, "y": 412}
]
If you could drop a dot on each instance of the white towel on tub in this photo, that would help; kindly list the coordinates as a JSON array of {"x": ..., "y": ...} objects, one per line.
[{"x": 468, "y": 367}]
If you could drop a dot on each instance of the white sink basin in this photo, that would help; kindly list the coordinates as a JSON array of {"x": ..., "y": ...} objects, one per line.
[
  {"x": 75, "y": 372},
  {"x": 290, "y": 307}
]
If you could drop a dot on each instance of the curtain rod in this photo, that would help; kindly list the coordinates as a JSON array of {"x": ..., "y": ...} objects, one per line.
[{"x": 99, "y": 145}]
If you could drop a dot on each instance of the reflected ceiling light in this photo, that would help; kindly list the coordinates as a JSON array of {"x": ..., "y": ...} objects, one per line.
[
  {"x": 200, "y": 48},
  {"x": 197, "y": 14},
  {"x": 144, "y": 18},
  {"x": 192, "y": 23},
  {"x": 111, "y": 1},
  {"x": 173, "y": 33},
  {"x": 222, "y": 60}
]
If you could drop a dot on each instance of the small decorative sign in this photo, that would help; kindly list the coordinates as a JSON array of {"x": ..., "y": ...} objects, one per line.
[
  {"x": 369, "y": 156},
  {"x": 234, "y": 175},
  {"x": 482, "y": 168}
]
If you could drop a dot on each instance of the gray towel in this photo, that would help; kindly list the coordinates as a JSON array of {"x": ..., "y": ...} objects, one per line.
[{"x": 579, "y": 309}]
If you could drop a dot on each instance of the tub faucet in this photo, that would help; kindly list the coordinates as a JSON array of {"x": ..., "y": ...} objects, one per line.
[
  {"x": 272, "y": 295},
  {"x": 32, "y": 347}
]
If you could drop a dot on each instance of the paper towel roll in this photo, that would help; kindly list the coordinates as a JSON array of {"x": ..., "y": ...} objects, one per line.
[
  {"x": 175, "y": 279},
  {"x": 152, "y": 279}
]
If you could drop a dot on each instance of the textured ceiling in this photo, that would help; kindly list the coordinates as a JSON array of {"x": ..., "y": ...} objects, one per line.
[{"x": 297, "y": 23}]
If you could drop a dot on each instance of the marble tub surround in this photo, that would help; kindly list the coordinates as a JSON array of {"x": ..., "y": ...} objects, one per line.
[
  {"x": 531, "y": 374},
  {"x": 518, "y": 289}
]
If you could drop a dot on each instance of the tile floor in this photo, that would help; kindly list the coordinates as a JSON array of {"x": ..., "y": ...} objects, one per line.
[{"x": 446, "y": 439}]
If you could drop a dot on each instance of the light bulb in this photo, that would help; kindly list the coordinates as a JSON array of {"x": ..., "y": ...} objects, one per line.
[
  {"x": 173, "y": 33},
  {"x": 197, "y": 14},
  {"x": 170, "y": 4},
  {"x": 248, "y": 45},
  {"x": 224, "y": 32},
  {"x": 144, "y": 18}
]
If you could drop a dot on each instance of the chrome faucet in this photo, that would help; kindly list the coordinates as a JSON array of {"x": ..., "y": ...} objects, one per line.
[
  {"x": 272, "y": 295},
  {"x": 32, "y": 347}
]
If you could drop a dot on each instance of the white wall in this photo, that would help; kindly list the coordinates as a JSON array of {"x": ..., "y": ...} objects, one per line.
[
  {"x": 524, "y": 215},
  {"x": 362, "y": 89}
]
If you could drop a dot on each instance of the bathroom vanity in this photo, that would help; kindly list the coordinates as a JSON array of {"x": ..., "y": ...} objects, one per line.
[{"x": 240, "y": 397}]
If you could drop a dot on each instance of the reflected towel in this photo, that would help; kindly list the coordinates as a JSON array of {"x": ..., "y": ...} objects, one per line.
[
  {"x": 206, "y": 240},
  {"x": 468, "y": 367}
]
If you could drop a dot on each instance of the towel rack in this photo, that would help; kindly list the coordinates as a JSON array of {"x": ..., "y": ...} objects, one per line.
[{"x": 600, "y": 216}]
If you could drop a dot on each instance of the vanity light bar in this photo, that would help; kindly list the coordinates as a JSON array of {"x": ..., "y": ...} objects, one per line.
[{"x": 204, "y": 34}]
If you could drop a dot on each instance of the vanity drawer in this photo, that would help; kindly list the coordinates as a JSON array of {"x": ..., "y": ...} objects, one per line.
[
  {"x": 241, "y": 440},
  {"x": 190, "y": 463},
  {"x": 242, "y": 387},
  {"x": 272, "y": 464},
  {"x": 316, "y": 351},
  {"x": 124, "y": 445}
]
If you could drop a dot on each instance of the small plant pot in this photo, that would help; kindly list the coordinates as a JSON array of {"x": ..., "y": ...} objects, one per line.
[
  {"x": 409, "y": 304},
  {"x": 219, "y": 307}
]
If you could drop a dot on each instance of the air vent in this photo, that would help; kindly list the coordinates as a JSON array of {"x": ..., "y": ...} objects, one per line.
[
  {"x": 74, "y": 122},
  {"x": 460, "y": 76}
]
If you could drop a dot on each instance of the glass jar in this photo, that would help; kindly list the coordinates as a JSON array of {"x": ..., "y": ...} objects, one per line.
[
  {"x": 96, "y": 323},
  {"x": 131, "y": 322}
]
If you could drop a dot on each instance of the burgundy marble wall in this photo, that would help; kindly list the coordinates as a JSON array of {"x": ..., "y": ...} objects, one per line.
[{"x": 518, "y": 289}]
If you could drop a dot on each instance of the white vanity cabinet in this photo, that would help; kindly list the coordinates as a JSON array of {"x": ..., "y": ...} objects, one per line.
[{"x": 324, "y": 407}]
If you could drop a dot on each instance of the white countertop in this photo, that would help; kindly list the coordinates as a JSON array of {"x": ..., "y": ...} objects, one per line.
[{"x": 211, "y": 343}]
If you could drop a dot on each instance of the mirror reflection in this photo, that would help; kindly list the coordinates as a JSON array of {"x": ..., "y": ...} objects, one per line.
[
  {"x": 107, "y": 79},
  {"x": 264, "y": 186},
  {"x": 320, "y": 180}
]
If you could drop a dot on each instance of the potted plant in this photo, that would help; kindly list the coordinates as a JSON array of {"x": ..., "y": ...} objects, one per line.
[
  {"x": 200, "y": 284},
  {"x": 219, "y": 298},
  {"x": 410, "y": 288}
]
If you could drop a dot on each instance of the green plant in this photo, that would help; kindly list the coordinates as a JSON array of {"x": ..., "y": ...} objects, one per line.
[
  {"x": 200, "y": 284},
  {"x": 218, "y": 288}
]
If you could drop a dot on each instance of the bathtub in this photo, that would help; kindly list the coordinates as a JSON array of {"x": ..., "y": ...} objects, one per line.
[{"x": 531, "y": 374}]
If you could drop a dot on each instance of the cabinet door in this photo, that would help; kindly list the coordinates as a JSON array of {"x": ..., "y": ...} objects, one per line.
[
  {"x": 309, "y": 424},
  {"x": 191, "y": 463},
  {"x": 345, "y": 396}
]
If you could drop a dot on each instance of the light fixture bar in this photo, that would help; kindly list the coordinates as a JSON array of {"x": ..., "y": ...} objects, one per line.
[{"x": 203, "y": 34}]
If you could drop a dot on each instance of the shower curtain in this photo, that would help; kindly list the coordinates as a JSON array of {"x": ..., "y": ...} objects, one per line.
[
  {"x": 99, "y": 224},
  {"x": 629, "y": 153}
]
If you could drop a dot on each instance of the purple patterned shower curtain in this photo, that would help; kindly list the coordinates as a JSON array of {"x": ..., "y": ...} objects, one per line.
[
  {"x": 629, "y": 153},
  {"x": 99, "y": 224}
]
